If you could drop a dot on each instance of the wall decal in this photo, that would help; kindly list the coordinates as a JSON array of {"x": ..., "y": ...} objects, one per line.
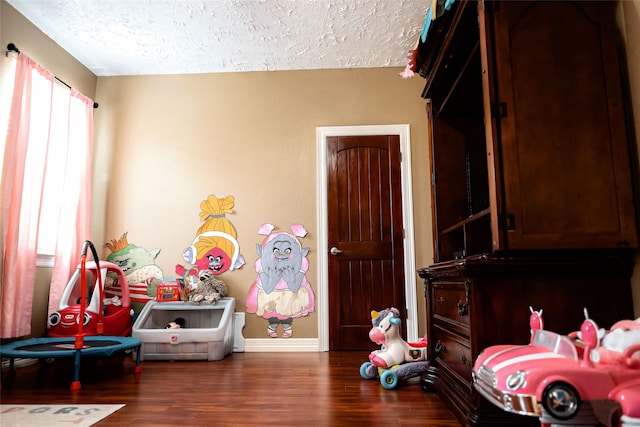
[
  {"x": 281, "y": 291},
  {"x": 215, "y": 247},
  {"x": 141, "y": 272}
]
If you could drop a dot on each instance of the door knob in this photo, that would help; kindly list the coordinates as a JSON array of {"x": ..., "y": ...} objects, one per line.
[{"x": 335, "y": 251}]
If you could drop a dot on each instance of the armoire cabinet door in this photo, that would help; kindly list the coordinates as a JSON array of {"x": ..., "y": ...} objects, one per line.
[{"x": 565, "y": 151}]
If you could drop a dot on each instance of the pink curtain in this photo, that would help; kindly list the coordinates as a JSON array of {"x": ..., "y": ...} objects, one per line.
[{"x": 28, "y": 146}]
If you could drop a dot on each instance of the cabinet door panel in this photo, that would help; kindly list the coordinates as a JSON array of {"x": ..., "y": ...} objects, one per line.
[{"x": 566, "y": 168}]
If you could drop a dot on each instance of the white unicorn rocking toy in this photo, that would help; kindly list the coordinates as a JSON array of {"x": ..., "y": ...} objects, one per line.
[{"x": 396, "y": 359}]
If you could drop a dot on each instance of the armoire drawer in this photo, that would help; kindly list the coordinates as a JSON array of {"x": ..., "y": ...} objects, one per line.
[
  {"x": 454, "y": 351},
  {"x": 450, "y": 304}
]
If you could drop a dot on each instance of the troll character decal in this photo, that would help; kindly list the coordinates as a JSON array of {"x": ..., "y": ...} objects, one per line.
[
  {"x": 281, "y": 291},
  {"x": 138, "y": 265},
  {"x": 215, "y": 247}
]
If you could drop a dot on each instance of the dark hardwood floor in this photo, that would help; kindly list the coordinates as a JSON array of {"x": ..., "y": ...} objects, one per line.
[{"x": 244, "y": 389}]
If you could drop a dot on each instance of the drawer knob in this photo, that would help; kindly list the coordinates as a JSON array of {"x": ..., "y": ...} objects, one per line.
[
  {"x": 439, "y": 348},
  {"x": 463, "y": 308},
  {"x": 464, "y": 361}
]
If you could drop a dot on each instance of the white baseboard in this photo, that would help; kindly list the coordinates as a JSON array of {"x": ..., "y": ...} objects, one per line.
[
  {"x": 275, "y": 345},
  {"x": 238, "y": 338}
]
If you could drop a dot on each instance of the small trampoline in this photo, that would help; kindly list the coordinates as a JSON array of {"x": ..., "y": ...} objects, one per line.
[
  {"x": 51, "y": 348},
  {"x": 79, "y": 344}
]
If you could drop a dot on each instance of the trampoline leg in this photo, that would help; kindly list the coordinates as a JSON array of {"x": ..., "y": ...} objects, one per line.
[
  {"x": 12, "y": 371},
  {"x": 75, "y": 385},
  {"x": 138, "y": 368}
]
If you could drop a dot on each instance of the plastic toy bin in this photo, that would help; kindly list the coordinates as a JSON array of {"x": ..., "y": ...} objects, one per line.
[{"x": 207, "y": 333}]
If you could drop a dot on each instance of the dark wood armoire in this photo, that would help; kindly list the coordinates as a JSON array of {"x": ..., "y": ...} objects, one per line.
[{"x": 533, "y": 170}]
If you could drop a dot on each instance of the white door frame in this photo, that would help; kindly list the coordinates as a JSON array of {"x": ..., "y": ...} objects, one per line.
[{"x": 322, "y": 133}]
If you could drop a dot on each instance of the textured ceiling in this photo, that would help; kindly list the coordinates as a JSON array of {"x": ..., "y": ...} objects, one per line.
[{"x": 133, "y": 37}]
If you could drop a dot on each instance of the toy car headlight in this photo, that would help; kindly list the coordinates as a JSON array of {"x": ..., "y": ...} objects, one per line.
[
  {"x": 516, "y": 380},
  {"x": 86, "y": 319},
  {"x": 54, "y": 319}
]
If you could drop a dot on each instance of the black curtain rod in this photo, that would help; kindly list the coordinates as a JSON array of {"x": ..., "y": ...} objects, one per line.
[{"x": 13, "y": 48}]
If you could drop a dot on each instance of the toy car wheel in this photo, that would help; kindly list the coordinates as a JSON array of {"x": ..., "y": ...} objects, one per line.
[
  {"x": 389, "y": 379},
  {"x": 368, "y": 371},
  {"x": 561, "y": 401}
]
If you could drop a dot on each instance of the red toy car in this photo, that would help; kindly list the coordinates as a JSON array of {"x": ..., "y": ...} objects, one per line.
[
  {"x": 102, "y": 316},
  {"x": 555, "y": 375}
]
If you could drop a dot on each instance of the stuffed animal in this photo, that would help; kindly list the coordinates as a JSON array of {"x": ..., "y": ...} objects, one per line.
[
  {"x": 207, "y": 289},
  {"x": 142, "y": 274},
  {"x": 623, "y": 334},
  {"x": 176, "y": 324}
]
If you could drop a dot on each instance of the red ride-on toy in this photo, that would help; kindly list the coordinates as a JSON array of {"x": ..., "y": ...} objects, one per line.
[{"x": 100, "y": 316}]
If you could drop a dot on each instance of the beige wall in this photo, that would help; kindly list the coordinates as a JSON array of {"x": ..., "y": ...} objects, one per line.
[{"x": 173, "y": 140}]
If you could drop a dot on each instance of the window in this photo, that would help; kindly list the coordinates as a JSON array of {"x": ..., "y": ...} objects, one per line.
[
  {"x": 57, "y": 156},
  {"x": 47, "y": 157},
  {"x": 50, "y": 151}
]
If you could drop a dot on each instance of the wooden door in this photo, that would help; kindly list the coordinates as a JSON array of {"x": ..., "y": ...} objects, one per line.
[{"x": 365, "y": 235}]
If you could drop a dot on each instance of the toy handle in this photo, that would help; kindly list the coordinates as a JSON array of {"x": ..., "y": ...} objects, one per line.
[
  {"x": 94, "y": 254},
  {"x": 632, "y": 362}
]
